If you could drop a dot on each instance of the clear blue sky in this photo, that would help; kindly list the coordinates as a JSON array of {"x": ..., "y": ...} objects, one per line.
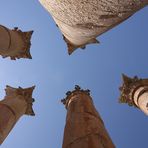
[{"x": 124, "y": 49}]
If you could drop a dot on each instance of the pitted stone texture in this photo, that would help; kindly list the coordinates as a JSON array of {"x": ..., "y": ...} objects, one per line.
[
  {"x": 83, "y": 20},
  {"x": 73, "y": 12}
]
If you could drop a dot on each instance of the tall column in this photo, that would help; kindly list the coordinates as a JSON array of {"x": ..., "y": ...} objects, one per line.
[
  {"x": 134, "y": 92},
  {"x": 84, "y": 126},
  {"x": 81, "y": 21},
  {"x": 17, "y": 102},
  {"x": 15, "y": 43}
]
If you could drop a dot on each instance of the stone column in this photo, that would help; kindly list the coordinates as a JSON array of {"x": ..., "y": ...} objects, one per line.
[
  {"x": 81, "y": 21},
  {"x": 15, "y": 43},
  {"x": 84, "y": 126},
  {"x": 134, "y": 92},
  {"x": 17, "y": 102}
]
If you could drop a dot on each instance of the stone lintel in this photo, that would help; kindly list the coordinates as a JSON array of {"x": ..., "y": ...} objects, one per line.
[
  {"x": 76, "y": 91},
  {"x": 25, "y": 93},
  {"x": 71, "y": 47}
]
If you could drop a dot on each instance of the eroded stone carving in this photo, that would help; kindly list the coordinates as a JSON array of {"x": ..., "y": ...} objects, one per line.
[
  {"x": 134, "y": 92},
  {"x": 15, "y": 43},
  {"x": 17, "y": 102}
]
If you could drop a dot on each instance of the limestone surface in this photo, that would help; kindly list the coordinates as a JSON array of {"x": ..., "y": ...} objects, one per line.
[
  {"x": 84, "y": 127},
  {"x": 81, "y": 21},
  {"x": 134, "y": 92},
  {"x": 16, "y": 103},
  {"x": 15, "y": 43}
]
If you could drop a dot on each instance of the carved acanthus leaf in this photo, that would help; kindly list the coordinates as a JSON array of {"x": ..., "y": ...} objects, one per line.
[
  {"x": 25, "y": 93},
  {"x": 71, "y": 47},
  {"x": 129, "y": 84},
  {"x": 77, "y": 90}
]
